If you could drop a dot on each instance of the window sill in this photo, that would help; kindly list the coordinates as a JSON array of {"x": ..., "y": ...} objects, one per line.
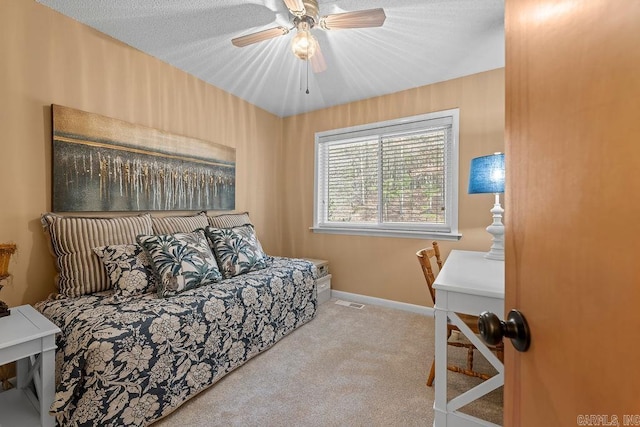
[{"x": 388, "y": 233}]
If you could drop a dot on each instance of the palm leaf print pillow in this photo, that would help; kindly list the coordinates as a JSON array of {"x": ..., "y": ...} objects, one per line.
[
  {"x": 237, "y": 249},
  {"x": 182, "y": 261}
]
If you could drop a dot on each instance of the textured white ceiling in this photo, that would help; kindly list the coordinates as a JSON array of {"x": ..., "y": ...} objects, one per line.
[{"x": 421, "y": 42}]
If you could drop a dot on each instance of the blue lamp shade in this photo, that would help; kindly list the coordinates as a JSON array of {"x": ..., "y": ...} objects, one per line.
[{"x": 487, "y": 174}]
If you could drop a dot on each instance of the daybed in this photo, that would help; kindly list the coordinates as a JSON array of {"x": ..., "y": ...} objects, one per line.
[{"x": 135, "y": 351}]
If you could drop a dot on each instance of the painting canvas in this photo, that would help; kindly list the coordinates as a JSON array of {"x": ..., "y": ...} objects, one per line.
[{"x": 104, "y": 164}]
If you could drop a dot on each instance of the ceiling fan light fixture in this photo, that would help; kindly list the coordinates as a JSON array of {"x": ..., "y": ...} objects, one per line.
[
  {"x": 304, "y": 44},
  {"x": 305, "y": 18}
]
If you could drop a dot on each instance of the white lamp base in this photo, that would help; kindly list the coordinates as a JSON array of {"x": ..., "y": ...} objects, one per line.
[{"x": 496, "y": 229}]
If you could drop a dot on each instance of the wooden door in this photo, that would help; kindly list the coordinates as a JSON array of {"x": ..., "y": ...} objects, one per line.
[{"x": 573, "y": 210}]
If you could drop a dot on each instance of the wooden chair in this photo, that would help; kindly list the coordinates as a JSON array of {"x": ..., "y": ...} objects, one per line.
[{"x": 425, "y": 257}]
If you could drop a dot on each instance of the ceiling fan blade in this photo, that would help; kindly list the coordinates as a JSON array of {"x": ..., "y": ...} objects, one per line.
[
  {"x": 296, "y": 7},
  {"x": 358, "y": 19},
  {"x": 318, "y": 64},
  {"x": 243, "y": 41}
]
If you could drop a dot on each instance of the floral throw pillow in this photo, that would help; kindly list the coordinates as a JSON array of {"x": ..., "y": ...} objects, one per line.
[
  {"x": 237, "y": 249},
  {"x": 129, "y": 269},
  {"x": 182, "y": 261}
]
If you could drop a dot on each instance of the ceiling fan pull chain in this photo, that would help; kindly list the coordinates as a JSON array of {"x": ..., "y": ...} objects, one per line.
[{"x": 300, "y": 80}]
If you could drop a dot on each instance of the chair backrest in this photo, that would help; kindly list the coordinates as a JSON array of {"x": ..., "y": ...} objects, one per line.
[{"x": 424, "y": 258}]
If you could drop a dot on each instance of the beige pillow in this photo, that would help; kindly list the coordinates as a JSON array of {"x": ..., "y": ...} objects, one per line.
[
  {"x": 229, "y": 220},
  {"x": 179, "y": 224}
]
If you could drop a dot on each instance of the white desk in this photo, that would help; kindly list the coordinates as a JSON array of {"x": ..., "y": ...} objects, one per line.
[
  {"x": 28, "y": 338},
  {"x": 468, "y": 283}
]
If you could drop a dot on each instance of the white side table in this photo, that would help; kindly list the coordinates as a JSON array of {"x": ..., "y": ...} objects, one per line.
[
  {"x": 28, "y": 338},
  {"x": 468, "y": 283}
]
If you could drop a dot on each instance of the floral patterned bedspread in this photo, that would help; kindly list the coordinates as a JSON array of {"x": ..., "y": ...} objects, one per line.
[{"x": 134, "y": 361}]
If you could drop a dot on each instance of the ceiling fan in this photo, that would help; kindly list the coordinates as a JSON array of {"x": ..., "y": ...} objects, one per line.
[{"x": 305, "y": 17}]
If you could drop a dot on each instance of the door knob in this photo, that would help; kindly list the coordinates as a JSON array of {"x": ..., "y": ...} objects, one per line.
[{"x": 492, "y": 329}]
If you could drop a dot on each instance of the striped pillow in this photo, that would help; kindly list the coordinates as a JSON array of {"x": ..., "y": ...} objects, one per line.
[
  {"x": 229, "y": 220},
  {"x": 72, "y": 240},
  {"x": 179, "y": 224}
]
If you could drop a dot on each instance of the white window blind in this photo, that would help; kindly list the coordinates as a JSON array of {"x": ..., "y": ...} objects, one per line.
[{"x": 389, "y": 178}]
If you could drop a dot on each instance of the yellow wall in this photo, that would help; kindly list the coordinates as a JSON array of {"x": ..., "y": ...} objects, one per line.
[
  {"x": 50, "y": 59},
  {"x": 386, "y": 267}
]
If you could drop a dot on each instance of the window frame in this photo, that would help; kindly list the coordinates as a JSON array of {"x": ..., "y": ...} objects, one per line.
[{"x": 412, "y": 124}]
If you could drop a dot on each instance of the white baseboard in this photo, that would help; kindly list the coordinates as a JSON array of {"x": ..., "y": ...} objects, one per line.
[{"x": 364, "y": 299}]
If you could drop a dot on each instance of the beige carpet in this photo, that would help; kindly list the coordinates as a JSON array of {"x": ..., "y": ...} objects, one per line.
[{"x": 347, "y": 367}]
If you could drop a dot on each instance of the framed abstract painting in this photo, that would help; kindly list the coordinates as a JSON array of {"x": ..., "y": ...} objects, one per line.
[{"x": 104, "y": 164}]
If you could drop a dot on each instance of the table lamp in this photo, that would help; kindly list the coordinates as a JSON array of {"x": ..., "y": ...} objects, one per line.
[
  {"x": 487, "y": 176},
  {"x": 6, "y": 250}
]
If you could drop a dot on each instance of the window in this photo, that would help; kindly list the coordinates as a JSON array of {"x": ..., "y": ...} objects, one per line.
[{"x": 395, "y": 178}]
